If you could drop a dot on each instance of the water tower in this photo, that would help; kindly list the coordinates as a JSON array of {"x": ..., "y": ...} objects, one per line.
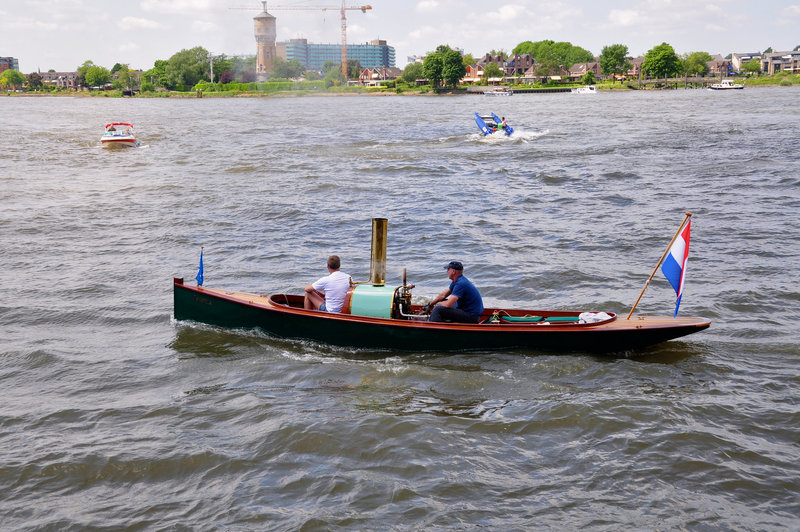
[{"x": 265, "y": 42}]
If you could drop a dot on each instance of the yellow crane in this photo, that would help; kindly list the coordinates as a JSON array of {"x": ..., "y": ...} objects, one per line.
[{"x": 344, "y": 8}]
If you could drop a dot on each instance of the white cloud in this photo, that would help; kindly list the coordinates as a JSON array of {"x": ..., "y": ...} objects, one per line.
[
  {"x": 129, "y": 23},
  {"x": 127, "y": 47},
  {"x": 203, "y": 26},
  {"x": 625, "y": 17},
  {"x": 427, "y": 5},
  {"x": 176, "y": 6},
  {"x": 506, "y": 13},
  {"x": 791, "y": 11},
  {"x": 423, "y": 31},
  {"x": 27, "y": 23}
]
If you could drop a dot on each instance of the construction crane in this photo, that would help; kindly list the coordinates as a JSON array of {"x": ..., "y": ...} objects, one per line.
[{"x": 344, "y": 8}]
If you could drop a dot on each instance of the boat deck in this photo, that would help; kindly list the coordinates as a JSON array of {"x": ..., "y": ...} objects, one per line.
[{"x": 549, "y": 318}]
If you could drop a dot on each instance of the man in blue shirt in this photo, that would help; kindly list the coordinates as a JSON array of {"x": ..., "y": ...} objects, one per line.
[{"x": 461, "y": 302}]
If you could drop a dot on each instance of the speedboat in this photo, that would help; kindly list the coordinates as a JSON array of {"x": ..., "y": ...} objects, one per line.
[
  {"x": 119, "y": 134},
  {"x": 499, "y": 91},
  {"x": 589, "y": 89},
  {"x": 376, "y": 315},
  {"x": 725, "y": 84},
  {"x": 491, "y": 123}
]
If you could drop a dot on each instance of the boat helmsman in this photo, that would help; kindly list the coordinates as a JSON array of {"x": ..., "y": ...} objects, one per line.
[{"x": 461, "y": 302}]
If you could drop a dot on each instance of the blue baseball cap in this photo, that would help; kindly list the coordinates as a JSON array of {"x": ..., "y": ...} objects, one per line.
[{"x": 455, "y": 265}]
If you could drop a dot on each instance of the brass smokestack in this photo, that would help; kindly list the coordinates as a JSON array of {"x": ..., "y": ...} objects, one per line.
[{"x": 377, "y": 261}]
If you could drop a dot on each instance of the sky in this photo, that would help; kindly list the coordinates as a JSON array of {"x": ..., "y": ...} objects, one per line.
[{"x": 63, "y": 34}]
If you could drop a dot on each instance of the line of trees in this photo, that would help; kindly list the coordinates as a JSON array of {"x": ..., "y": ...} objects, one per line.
[
  {"x": 443, "y": 67},
  {"x": 184, "y": 70}
]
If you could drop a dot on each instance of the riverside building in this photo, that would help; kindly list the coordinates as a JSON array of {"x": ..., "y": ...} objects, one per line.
[
  {"x": 375, "y": 54},
  {"x": 7, "y": 63}
]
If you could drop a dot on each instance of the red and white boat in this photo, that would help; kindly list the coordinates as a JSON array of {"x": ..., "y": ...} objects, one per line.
[{"x": 119, "y": 134}]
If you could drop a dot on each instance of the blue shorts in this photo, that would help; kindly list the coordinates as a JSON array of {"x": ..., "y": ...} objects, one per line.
[{"x": 322, "y": 307}]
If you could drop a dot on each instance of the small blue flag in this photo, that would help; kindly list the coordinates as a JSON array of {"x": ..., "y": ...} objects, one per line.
[{"x": 200, "y": 270}]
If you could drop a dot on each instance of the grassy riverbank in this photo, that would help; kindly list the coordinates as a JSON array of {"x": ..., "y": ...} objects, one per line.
[{"x": 303, "y": 89}]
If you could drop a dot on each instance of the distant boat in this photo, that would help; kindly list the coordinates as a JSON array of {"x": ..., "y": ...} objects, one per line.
[
  {"x": 491, "y": 123},
  {"x": 119, "y": 134},
  {"x": 725, "y": 84},
  {"x": 589, "y": 89},
  {"x": 499, "y": 91}
]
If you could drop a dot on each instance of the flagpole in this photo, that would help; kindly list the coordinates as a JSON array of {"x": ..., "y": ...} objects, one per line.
[{"x": 669, "y": 246}]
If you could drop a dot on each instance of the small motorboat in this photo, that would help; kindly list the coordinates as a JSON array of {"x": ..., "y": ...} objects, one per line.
[
  {"x": 725, "y": 84},
  {"x": 499, "y": 91},
  {"x": 380, "y": 316},
  {"x": 119, "y": 134},
  {"x": 589, "y": 89},
  {"x": 491, "y": 123}
]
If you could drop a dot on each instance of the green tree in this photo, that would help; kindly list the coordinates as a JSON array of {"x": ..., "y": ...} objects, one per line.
[
  {"x": 554, "y": 54},
  {"x": 287, "y": 69},
  {"x": 97, "y": 76},
  {"x": 614, "y": 60},
  {"x": 453, "y": 68},
  {"x": 185, "y": 68},
  {"x": 222, "y": 64},
  {"x": 353, "y": 68},
  {"x": 768, "y": 50},
  {"x": 752, "y": 67},
  {"x": 412, "y": 72},
  {"x": 588, "y": 78},
  {"x": 525, "y": 47},
  {"x": 126, "y": 78},
  {"x": 467, "y": 59},
  {"x": 327, "y": 66},
  {"x": 334, "y": 77},
  {"x": 156, "y": 76},
  {"x": 12, "y": 78},
  {"x": 81, "y": 81},
  {"x": 432, "y": 67},
  {"x": 34, "y": 81},
  {"x": 241, "y": 67},
  {"x": 492, "y": 70},
  {"x": 796, "y": 48},
  {"x": 661, "y": 61},
  {"x": 116, "y": 68},
  {"x": 502, "y": 52},
  {"x": 696, "y": 63}
]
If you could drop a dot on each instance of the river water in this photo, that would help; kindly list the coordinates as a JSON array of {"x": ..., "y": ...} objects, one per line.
[{"x": 116, "y": 417}]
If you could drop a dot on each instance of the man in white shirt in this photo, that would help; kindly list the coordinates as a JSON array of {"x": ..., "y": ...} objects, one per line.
[{"x": 328, "y": 292}]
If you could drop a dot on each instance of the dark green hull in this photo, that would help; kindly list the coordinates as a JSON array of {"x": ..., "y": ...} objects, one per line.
[{"x": 234, "y": 310}]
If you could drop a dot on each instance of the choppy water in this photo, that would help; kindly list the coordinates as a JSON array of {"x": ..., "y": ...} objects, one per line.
[{"x": 115, "y": 417}]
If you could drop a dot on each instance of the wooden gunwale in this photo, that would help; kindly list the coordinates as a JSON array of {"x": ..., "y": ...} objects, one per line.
[{"x": 271, "y": 302}]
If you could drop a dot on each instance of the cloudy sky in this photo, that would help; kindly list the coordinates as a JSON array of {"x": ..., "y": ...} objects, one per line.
[{"x": 62, "y": 34}]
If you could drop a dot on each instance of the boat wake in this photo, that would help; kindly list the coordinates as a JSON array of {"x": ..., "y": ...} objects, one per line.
[{"x": 519, "y": 136}]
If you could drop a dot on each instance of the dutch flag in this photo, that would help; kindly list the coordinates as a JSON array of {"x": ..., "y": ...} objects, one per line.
[{"x": 674, "y": 266}]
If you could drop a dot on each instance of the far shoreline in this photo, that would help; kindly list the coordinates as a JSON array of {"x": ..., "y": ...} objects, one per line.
[{"x": 350, "y": 93}]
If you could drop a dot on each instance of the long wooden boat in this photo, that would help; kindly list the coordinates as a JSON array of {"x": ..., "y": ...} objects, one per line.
[
  {"x": 283, "y": 315},
  {"x": 377, "y": 316}
]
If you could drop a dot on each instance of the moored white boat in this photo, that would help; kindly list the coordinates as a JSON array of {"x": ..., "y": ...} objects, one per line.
[
  {"x": 119, "y": 134},
  {"x": 589, "y": 89},
  {"x": 725, "y": 84},
  {"x": 499, "y": 91}
]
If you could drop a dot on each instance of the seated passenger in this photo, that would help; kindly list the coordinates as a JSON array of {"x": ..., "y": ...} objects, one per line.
[
  {"x": 461, "y": 302},
  {"x": 328, "y": 293}
]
